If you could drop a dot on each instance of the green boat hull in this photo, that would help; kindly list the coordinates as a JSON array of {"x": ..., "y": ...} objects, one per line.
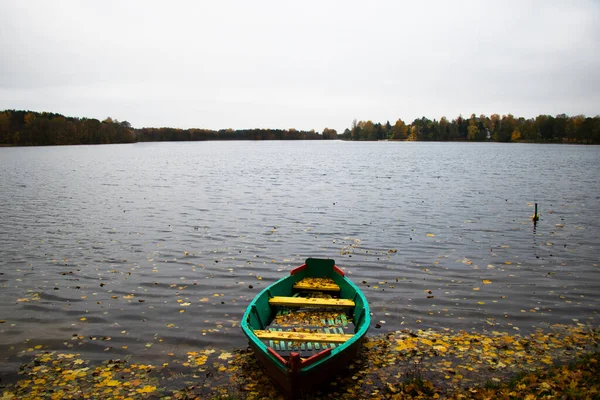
[{"x": 290, "y": 374}]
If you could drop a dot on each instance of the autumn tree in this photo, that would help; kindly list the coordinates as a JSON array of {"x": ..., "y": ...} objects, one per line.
[
  {"x": 545, "y": 127},
  {"x": 495, "y": 125},
  {"x": 507, "y": 126},
  {"x": 443, "y": 129},
  {"x": 473, "y": 129},
  {"x": 368, "y": 130},
  {"x": 4, "y": 127},
  {"x": 355, "y": 132},
  {"x": 329, "y": 134},
  {"x": 399, "y": 130},
  {"x": 414, "y": 133},
  {"x": 527, "y": 130}
]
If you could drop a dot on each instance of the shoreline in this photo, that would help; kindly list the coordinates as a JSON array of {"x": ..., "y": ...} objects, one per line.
[{"x": 401, "y": 364}]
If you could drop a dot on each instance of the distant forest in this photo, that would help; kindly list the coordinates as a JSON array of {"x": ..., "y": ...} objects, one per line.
[
  {"x": 28, "y": 128},
  {"x": 506, "y": 128}
]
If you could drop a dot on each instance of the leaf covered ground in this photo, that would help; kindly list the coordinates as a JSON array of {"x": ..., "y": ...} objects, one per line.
[{"x": 398, "y": 365}]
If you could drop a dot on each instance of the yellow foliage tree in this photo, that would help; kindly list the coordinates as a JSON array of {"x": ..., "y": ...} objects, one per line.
[
  {"x": 472, "y": 131},
  {"x": 515, "y": 136},
  {"x": 399, "y": 130},
  {"x": 414, "y": 133}
]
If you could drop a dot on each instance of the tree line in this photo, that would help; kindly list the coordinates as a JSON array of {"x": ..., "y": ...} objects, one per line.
[
  {"x": 28, "y": 128},
  {"x": 505, "y": 128},
  {"x": 178, "y": 135}
]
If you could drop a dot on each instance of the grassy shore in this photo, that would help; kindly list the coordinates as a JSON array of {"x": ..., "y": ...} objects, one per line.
[{"x": 558, "y": 362}]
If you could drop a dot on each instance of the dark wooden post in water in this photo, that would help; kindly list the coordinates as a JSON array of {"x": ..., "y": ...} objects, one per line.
[{"x": 535, "y": 217}]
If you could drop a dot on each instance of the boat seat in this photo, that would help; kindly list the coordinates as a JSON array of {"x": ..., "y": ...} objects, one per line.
[
  {"x": 323, "y": 287},
  {"x": 303, "y": 336},
  {"x": 309, "y": 302}
]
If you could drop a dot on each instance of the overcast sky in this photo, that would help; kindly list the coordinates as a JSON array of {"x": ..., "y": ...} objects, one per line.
[{"x": 303, "y": 64}]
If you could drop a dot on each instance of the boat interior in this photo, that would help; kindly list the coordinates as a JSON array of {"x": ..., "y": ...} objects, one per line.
[{"x": 313, "y": 319}]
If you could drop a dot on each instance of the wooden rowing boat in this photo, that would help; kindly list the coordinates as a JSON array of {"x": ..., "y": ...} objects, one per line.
[{"x": 306, "y": 326}]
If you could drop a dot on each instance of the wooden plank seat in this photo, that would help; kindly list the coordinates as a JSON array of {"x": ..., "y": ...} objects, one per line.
[
  {"x": 309, "y": 302},
  {"x": 302, "y": 336},
  {"x": 308, "y": 320},
  {"x": 318, "y": 286}
]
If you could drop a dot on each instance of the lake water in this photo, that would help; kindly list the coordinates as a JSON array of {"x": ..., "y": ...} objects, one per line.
[{"x": 156, "y": 248}]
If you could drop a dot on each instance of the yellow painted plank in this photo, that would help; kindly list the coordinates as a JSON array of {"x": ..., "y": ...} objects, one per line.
[
  {"x": 303, "y": 336},
  {"x": 329, "y": 287},
  {"x": 309, "y": 302}
]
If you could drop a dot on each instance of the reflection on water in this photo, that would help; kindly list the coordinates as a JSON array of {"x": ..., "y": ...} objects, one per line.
[{"x": 151, "y": 249}]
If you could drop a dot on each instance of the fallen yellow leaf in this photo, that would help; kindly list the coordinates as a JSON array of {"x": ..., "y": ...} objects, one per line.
[{"x": 146, "y": 389}]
